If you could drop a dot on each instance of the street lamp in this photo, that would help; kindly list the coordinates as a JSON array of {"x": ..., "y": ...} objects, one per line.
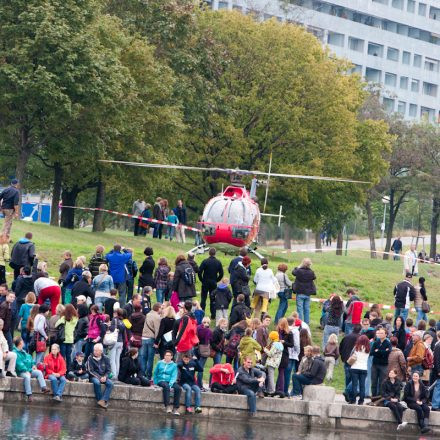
[{"x": 385, "y": 201}]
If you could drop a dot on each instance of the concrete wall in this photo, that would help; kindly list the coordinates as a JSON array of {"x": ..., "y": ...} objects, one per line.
[{"x": 301, "y": 414}]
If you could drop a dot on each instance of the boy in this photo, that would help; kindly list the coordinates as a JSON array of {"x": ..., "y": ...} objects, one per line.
[
  {"x": 187, "y": 369},
  {"x": 109, "y": 304},
  {"x": 77, "y": 371}
]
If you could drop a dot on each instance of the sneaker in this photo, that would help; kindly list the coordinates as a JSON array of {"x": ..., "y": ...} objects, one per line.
[
  {"x": 102, "y": 404},
  {"x": 198, "y": 410},
  {"x": 57, "y": 398},
  {"x": 29, "y": 398},
  {"x": 204, "y": 390},
  {"x": 401, "y": 426},
  {"x": 189, "y": 410},
  {"x": 425, "y": 430},
  {"x": 299, "y": 397},
  {"x": 176, "y": 412},
  {"x": 169, "y": 410},
  {"x": 45, "y": 390},
  {"x": 11, "y": 374},
  {"x": 360, "y": 402}
]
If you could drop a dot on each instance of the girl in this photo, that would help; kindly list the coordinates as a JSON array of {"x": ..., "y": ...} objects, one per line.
[
  {"x": 23, "y": 314},
  {"x": 274, "y": 352},
  {"x": 335, "y": 311},
  {"x": 40, "y": 330},
  {"x": 358, "y": 370},
  {"x": 164, "y": 340},
  {"x": 199, "y": 313},
  {"x": 95, "y": 331},
  {"x": 161, "y": 279},
  {"x": 418, "y": 300},
  {"x": 331, "y": 355},
  {"x": 204, "y": 334},
  {"x": 400, "y": 332},
  {"x": 285, "y": 292},
  {"x": 266, "y": 285},
  {"x": 391, "y": 388},
  {"x": 116, "y": 350},
  {"x": 286, "y": 338}
]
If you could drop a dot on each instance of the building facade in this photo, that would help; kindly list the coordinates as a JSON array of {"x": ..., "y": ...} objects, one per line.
[{"x": 395, "y": 43}]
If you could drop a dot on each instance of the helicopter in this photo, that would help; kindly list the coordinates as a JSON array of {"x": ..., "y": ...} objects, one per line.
[{"x": 232, "y": 219}]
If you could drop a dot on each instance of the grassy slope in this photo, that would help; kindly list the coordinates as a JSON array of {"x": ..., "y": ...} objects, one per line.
[{"x": 375, "y": 279}]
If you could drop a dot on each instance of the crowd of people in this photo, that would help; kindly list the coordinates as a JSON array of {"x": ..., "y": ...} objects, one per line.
[{"x": 92, "y": 324}]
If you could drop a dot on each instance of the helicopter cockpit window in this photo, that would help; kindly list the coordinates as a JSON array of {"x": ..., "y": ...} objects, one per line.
[
  {"x": 236, "y": 212},
  {"x": 214, "y": 211}
]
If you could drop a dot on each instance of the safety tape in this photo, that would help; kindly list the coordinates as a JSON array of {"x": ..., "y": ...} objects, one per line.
[{"x": 122, "y": 214}]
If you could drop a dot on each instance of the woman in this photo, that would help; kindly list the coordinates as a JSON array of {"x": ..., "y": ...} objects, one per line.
[
  {"x": 6, "y": 355},
  {"x": 146, "y": 270},
  {"x": 144, "y": 225},
  {"x": 184, "y": 289},
  {"x": 416, "y": 396},
  {"x": 285, "y": 292},
  {"x": 265, "y": 285},
  {"x": 161, "y": 279},
  {"x": 116, "y": 350},
  {"x": 72, "y": 277},
  {"x": 397, "y": 361},
  {"x": 101, "y": 285},
  {"x": 303, "y": 287},
  {"x": 137, "y": 321},
  {"x": 204, "y": 334},
  {"x": 358, "y": 370},
  {"x": 335, "y": 311},
  {"x": 233, "y": 338},
  {"x": 40, "y": 332},
  {"x": 95, "y": 331},
  {"x": 56, "y": 371},
  {"x": 4, "y": 257},
  {"x": 286, "y": 338},
  {"x": 69, "y": 319},
  {"x": 331, "y": 355},
  {"x": 218, "y": 340},
  {"x": 52, "y": 331},
  {"x": 304, "y": 341},
  {"x": 164, "y": 339},
  {"x": 375, "y": 308},
  {"x": 23, "y": 314},
  {"x": 81, "y": 330},
  {"x": 420, "y": 296},
  {"x": 390, "y": 391},
  {"x": 130, "y": 370},
  {"x": 399, "y": 332},
  {"x": 240, "y": 283}
]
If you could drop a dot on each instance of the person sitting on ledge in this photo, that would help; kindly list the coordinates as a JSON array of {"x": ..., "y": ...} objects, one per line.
[
  {"x": 223, "y": 379},
  {"x": 130, "y": 371},
  {"x": 98, "y": 367},
  {"x": 391, "y": 388},
  {"x": 250, "y": 382},
  {"x": 315, "y": 376},
  {"x": 77, "y": 371},
  {"x": 56, "y": 371},
  {"x": 416, "y": 396}
]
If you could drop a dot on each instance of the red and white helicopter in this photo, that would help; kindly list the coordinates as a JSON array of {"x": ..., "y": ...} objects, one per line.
[{"x": 232, "y": 218}]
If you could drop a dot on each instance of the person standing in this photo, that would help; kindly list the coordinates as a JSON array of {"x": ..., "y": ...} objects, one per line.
[
  {"x": 6, "y": 313},
  {"x": 138, "y": 208},
  {"x": 158, "y": 215},
  {"x": 6, "y": 355},
  {"x": 22, "y": 254},
  {"x": 404, "y": 293},
  {"x": 231, "y": 269},
  {"x": 4, "y": 257},
  {"x": 131, "y": 269},
  {"x": 146, "y": 270},
  {"x": 359, "y": 369},
  {"x": 117, "y": 261},
  {"x": 303, "y": 287},
  {"x": 180, "y": 211},
  {"x": 172, "y": 218},
  {"x": 97, "y": 259},
  {"x": 335, "y": 311},
  {"x": 419, "y": 298},
  {"x": 380, "y": 350},
  {"x": 354, "y": 308},
  {"x": 10, "y": 198},
  {"x": 410, "y": 261},
  {"x": 397, "y": 247},
  {"x": 345, "y": 348},
  {"x": 210, "y": 273},
  {"x": 285, "y": 292},
  {"x": 149, "y": 334},
  {"x": 240, "y": 285},
  {"x": 265, "y": 285},
  {"x": 184, "y": 280}
]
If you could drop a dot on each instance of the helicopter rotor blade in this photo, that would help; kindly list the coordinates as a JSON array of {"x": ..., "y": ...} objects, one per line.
[{"x": 267, "y": 182}]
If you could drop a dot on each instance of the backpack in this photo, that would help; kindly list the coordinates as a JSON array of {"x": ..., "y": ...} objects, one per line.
[
  {"x": 231, "y": 348},
  {"x": 189, "y": 276},
  {"x": 428, "y": 359},
  {"x": 61, "y": 333}
]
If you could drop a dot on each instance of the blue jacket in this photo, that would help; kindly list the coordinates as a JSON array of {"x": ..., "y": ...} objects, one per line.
[
  {"x": 165, "y": 373},
  {"x": 188, "y": 371},
  {"x": 70, "y": 279},
  {"x": 117, "y": 262}
]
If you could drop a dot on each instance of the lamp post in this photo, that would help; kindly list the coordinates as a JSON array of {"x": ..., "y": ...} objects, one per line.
[{"x": 385, "y": 201}]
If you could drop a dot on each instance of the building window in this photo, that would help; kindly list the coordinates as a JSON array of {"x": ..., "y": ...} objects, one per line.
[
  {"x": 382, "y": 2},
  {"x": 388, "y": 104},
  {"x": 373, "y": 75},
  {"x": 317, "y": 32},
  {"x": 406, "y": 57},
  {"x": 401, "y": 107},
  {"x": 390, "y": 79},
  {"x": 432, "y": 64},
  {"x": 223, "y": 5},
  {"x": 417, "y": 62},
  {"x": 356, "y": 44},
  {"x": 412, "y": 110},
  {"x": 237, "y": 8},
  {"x": 335, "y": 39},
  {"x": 375, "y": 49},
  {"x": 356, "y": 69},
  {"x": 411, "y": 6},
  {"x": 415, "y": 85},
  {"x": 427, "y": 113},
  {"x": 398, "y": 4},
  {"x": 434, "y": 13},
  {"x": 404, "y": 82},
  {"x": 430, "y": 89},
  {"x": 393, "y": 54},
  {"x": 422, "y": 9}
]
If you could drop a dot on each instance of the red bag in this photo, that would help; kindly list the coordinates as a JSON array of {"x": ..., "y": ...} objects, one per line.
[
  {"x": 136, "y": 341},
  {"x": 41, "y": 346}
]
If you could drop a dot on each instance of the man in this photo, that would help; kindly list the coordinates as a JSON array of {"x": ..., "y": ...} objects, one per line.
[
  {"x": 180, "y": 212},
  {"x": 417, "y": 353},
  {"x": 131, "y": 270},
  {"x": 98, "y": 367},
  {"x": 410, "y": 262},
  {"x": 149, "y": 334},
  {"x": 83, "y": 287},
  {"x": 23, "y": 285},
  {"x": 117, "y": 261},
  {"x": 345, "y": 348},
  {"x": 250, "y": 382},
  {"x": 243, "y": 253},
  {"x": 6, "y": 313},
  {"x": 436, "y": 375},
  {"x": 397, "y": 247},
  {"x": 4, "y": 292},
  {"x": 130, "y": 306},
  {"x": 354, "y": 311},
  {"x": 97, "y": 260},
  {"x": 262, "y": 335},
  {"x": 64, "y": 268},
  {"x": 380, "y": 351},
  {"x": 315, "y": 376},
  {"x": 210, "y": 273},
  {"x": 138, "y": 209},
  {"x": 404, "y": 293},
  {"x": 158, "y": 215},
  {"x": 239, "y": 311},
  {"x": 23, "y": 254},
  {"x": 10, "y": 198}
]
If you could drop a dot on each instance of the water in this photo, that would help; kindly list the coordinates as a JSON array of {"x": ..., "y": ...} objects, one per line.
[{"x": 32, "y": 422}]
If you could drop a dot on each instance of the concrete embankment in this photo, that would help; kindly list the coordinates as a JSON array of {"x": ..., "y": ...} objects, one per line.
[{"x": 317, "y": 410}]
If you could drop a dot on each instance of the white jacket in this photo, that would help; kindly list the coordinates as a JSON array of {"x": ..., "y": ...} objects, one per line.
[
  {"x": 43, "y": 282},
  {"x": 361, "y": 360},
  {"x": 265, "y": 280},
  {"x": 3, "y": 349},
  {"x": 410, "y": 261}
]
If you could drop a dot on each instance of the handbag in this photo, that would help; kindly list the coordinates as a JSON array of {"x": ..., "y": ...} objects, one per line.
[
  {"x": 205, "y": 350},
  {"x": 111, "y": 338},
  {"x": 426, "y": 308},
  {"x": 288, "y": 292},
  {"x": 40, "y": 345},
  {"x": 352, "y": 359},
  {"x": 136, "y": 341}
]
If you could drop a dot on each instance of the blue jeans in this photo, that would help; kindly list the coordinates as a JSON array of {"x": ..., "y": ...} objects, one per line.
[
  {"x": 358, "y": 380},
  {"x": 166, "y": 389},
  {"x": 401, "y": 312},
  {"x": 130, "y": 289},
  {"x": 202, "y": 362},
  {"x": 36, "y": 374},
  {"x": 218, "y": 358},
  {"x": 328, "y": 330},
  {"x": 100, "y": 302},
  {"x": 122, "y": 289},
  {"x": 98, "y": 391},
  {"x": 39, "y": 357},
  {"x": 436, "y": 395},
  {"x": 189, "y": 389},
  {"x": 146, "y": 357},
  {"x": 348, "y": 328},
  {"x": 368, "y": 380},
  {"x": 233, "y": 362},
  {"x": 26, "y": 337},
  {"x": 303, "y": 307},
  {"x": 291, "y": 366},
  {"x": 282, "y": 306},
  {"x": 159, "y": 295},
  {"x": 347, "y": 373},
  {"x": 66, "y": 353},
  {"x": 251, "y": 400},
  {"x": 421, "y": 315},
  {"x": 57, "y": 384},
  {"x": 298, "y": 381}
]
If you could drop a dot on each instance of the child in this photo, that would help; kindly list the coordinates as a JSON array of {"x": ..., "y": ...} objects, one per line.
[
  {"x": 77, "y": 371},
  {"x": 223, "y": 379},
  {"x": 111, "y": 304},
  {"x": 187, "y": 369},
  {"x": 172, "y": 218},
  {"x": 169, "y": 289},
  {"x": 331, "y": 354},
  {"x": 274, "y": 352},
  {"x": 389, "y": 324},
  {"x": 146, "y": 299},
  {"x": 4, "y": 257},
  {"x": 222, "y": 297},
  {"x": 198, "y": 312}
]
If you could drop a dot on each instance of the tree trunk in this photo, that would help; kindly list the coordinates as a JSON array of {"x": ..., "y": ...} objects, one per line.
[
  {"x": 20, "y": 170},
  {"x": 394, "y": 208},
  {"x": 68, "y": 214},
  {"x": 371, "y": 229},
  {"x": 339, "y": 242},
  {"x": 287, "y": 240},
  {"x": 318, "y": 244},
  {"x": 56, "y": 194},
  {"x": 434, "y": 226},
  {"x": 98, "y": 217}
]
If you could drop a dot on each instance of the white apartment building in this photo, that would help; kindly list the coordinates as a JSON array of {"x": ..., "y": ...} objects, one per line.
[{"x": 395, "y": 43}]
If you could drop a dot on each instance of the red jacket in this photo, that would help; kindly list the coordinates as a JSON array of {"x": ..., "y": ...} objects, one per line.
[
  {"x": 221, "y": 377},
  {"x": 55, "y": 365},
  {"x": 187, "y": 334},
  {"x": 355, "y": 311}
]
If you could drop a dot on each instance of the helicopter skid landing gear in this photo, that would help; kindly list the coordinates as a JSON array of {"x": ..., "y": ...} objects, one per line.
[
  {"x": 200, "y": 249},
  {"x": 254, "y": 251}
]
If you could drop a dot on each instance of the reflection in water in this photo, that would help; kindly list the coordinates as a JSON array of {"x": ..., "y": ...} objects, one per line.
[{"x": 69, "y": 423}]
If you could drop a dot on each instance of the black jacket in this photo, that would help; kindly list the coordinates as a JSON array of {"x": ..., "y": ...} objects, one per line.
[
  {"x": 22, "y": 286},
  {"x": 380, "y": 351},
  {"x": 146, "y": 272},
  {"x": 222, "y": 298},
  {"x": 288, "y": 343},
  {"x": 347, "y": 344},
  {"x": 241, "y": 278},
  {"x": 401, "y": 291},
  {"x": 81, "y": 328},
  {"x": 187, "y": 372},
  {"x": 391, "y": 390},
  {"x": 184, "y": 291},
  {"x": 157, "y": 212},
  {"x": 98, "y": 367},
  {"x": 82, "y": 287},
  {"x": 137, "y": 320},
  {"x": 400, "y": 334},
  {"x": 166, "y": 325},
  {"x": 108, "y": 306},
  {"x": 436, "y": 367},
  {"x": 95, "y": 262},
  {"x": 304, "y": 284},
  {"x": 408, "y": 392},
  {"x": 218, "y": 339},
  {"x": 247, "y": 380},
  {"x": 210, "y": 271},
  {"x": 239, "y": 312},
  {"x": 10, "y": 197},
  {"x": 317, "y": 371},
  {"x": 233, "y": 265},
  {"x": 22, "y": 254},
  {"x": 77, "y": 368},
  {"x": 129, "y": 368}
]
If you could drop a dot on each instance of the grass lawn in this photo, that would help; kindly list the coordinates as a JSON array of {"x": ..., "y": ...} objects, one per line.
[{"x": 375, "y": 279}]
